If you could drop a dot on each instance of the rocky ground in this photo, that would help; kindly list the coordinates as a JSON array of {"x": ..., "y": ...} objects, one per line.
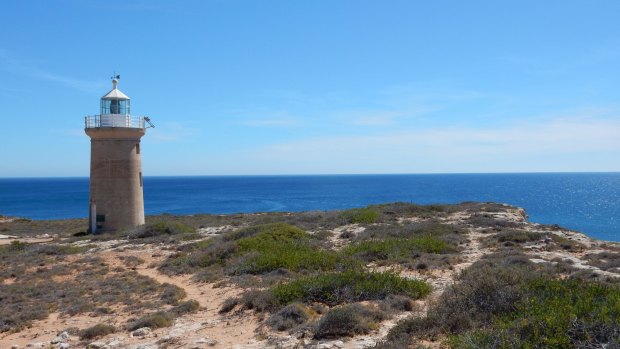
[{"x": 208, "y": 327}]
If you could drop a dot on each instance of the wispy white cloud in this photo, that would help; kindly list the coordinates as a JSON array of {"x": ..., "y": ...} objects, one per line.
[
  {"x": 519, "y": 147},
  {"x": 11, "y": 64}
]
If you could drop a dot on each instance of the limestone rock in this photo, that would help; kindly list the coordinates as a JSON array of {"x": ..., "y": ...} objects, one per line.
[
  {"x": 141, "y": 332},
  {"x": 96, "y": 345},
  {"x": 148, "y": 346},
  {"x": 63, "y": 337}
]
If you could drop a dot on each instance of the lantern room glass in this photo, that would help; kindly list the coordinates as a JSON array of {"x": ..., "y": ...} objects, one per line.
[{"x": 115, "y": 106}]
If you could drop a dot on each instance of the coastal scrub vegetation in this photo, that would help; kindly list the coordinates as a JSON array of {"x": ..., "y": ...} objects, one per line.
[
  {"x": 506, "y": 301},
  {"x": 99, "y": 330},
  {"x": 47, "y": 278},
  {"x": 324, "y": 275},
  {"x": 365, "y": 215}
]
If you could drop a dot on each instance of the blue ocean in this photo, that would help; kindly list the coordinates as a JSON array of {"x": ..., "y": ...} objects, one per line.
[{"x": 587, "y": 202}]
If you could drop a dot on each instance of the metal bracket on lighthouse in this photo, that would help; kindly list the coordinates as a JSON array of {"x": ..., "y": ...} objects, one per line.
[{"x": 148, "y": 121}]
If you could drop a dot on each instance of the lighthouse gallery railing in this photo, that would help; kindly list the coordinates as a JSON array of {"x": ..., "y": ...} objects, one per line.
[{"x": 113, "y": 120}]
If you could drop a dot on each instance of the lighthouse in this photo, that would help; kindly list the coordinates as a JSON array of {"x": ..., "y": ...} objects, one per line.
[{"x": 116, "y": 196}]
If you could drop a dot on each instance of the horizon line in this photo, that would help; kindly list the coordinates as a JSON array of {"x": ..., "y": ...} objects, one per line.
[{"x": 337, "y": 174}]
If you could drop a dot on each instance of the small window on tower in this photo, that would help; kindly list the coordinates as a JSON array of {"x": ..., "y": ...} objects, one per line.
[
  {"x": 137, "y": 148},
  {"x": 140, "y": 179}
]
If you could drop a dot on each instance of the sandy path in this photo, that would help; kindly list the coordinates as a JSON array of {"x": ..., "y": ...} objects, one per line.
[{"x": 207, "y": 324}]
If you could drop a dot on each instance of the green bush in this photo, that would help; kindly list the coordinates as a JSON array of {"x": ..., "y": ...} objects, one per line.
[
  {"x": 292, "y": 256},
  {"x": 604, "y": 260},
  {"x": 396, "y": 303},
  {"x": 228, "y": 305},
  {"x": 348, "y": 320},
  {"x": 348, "y": 286},
  {"x": 39, "y": 250},
  {"x": 393, "y": 249},
  {"x": 411, "y": 230},
  {"x": 161, "y": 228},
  {"x": 97, "y": 331},
  {"x": 274, "y": 230},
  {"x": 255, "y": 250},
  {"x": 187, "y": 307},
  {"x": 269, "y": 234},
  {"x": 155, "y": 320},
  {"x": 505, "y": 301},
  {"x": 283, "y": 246},
  {"x": 172, "y": 294},
  {"x": 15, "y": 246},
  {"x": 519, "y": 236},
  {"x": 487, "y": 288},
  {"x": 360, "y": 215},
  {"x": 290, "y": 316},
  {"x": 554, "y": 314}
]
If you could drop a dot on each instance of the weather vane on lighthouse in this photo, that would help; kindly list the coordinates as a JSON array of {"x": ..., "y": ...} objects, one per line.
[{"x": 116, "y": 195}]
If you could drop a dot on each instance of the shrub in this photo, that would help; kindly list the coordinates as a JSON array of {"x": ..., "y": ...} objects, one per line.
[
  {"x": 215, "y": 253},
  {"x": 554, "y": 314},
  {"x": 228, "y": 305},
  {"x": 348, "y": 286},
  {"x": 396, "y": 303},
  {"x": 257, "y": 300},
  {"x": 604, "y": 260},
  {"x": 155, "y": 320},
  {"x": 172, "y": 294},
  {"x": 348, "y": 320},
  {"x": 393, "y": 249},
  {"x": 360, "y": 215},
  {"x": 97, "y": 331},
  {"x": 160, "y": 228},
  {"x": 270, "y": 233},
  {"x": 486, "y": 220},
  {"x": 409, "y": 230},
  {"x": 132, "y": 261},
  {"x": 489, "y": 287},
  {"x": 280, "y": 245},
  {"x": 15, "y": 246},
  {"x": 290, "y": 316},
  {"x": 271, "y": 230},
  {"x": 519, "y": 236},
  {"x": 187, "y": 307},
  {"x": 257, "y": 250}
]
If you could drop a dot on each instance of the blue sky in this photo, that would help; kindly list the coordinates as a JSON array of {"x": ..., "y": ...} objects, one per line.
[{"x": 316, "y": 87}]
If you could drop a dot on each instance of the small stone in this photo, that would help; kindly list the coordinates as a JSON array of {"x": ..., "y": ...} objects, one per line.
[
  {"x": 148, "y": 346},
  {"x": 96, "y": 345},
  {"x": 141, "y": 332},
  {"x": 200, "y": 341},
  {"x": 63, "y": 346},
  {"x": 211, "y": 342},
  {"x": 36, "y": 345},
  {"x": 115, "y": 343},
  {"x": 61, "y": 338},
  {"x": 338, "y": 344},
  {"x": 14, "y": 346}
]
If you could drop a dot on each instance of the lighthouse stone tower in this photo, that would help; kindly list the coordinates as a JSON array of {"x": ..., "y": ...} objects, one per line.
[{"x": 116, "y": 197}]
